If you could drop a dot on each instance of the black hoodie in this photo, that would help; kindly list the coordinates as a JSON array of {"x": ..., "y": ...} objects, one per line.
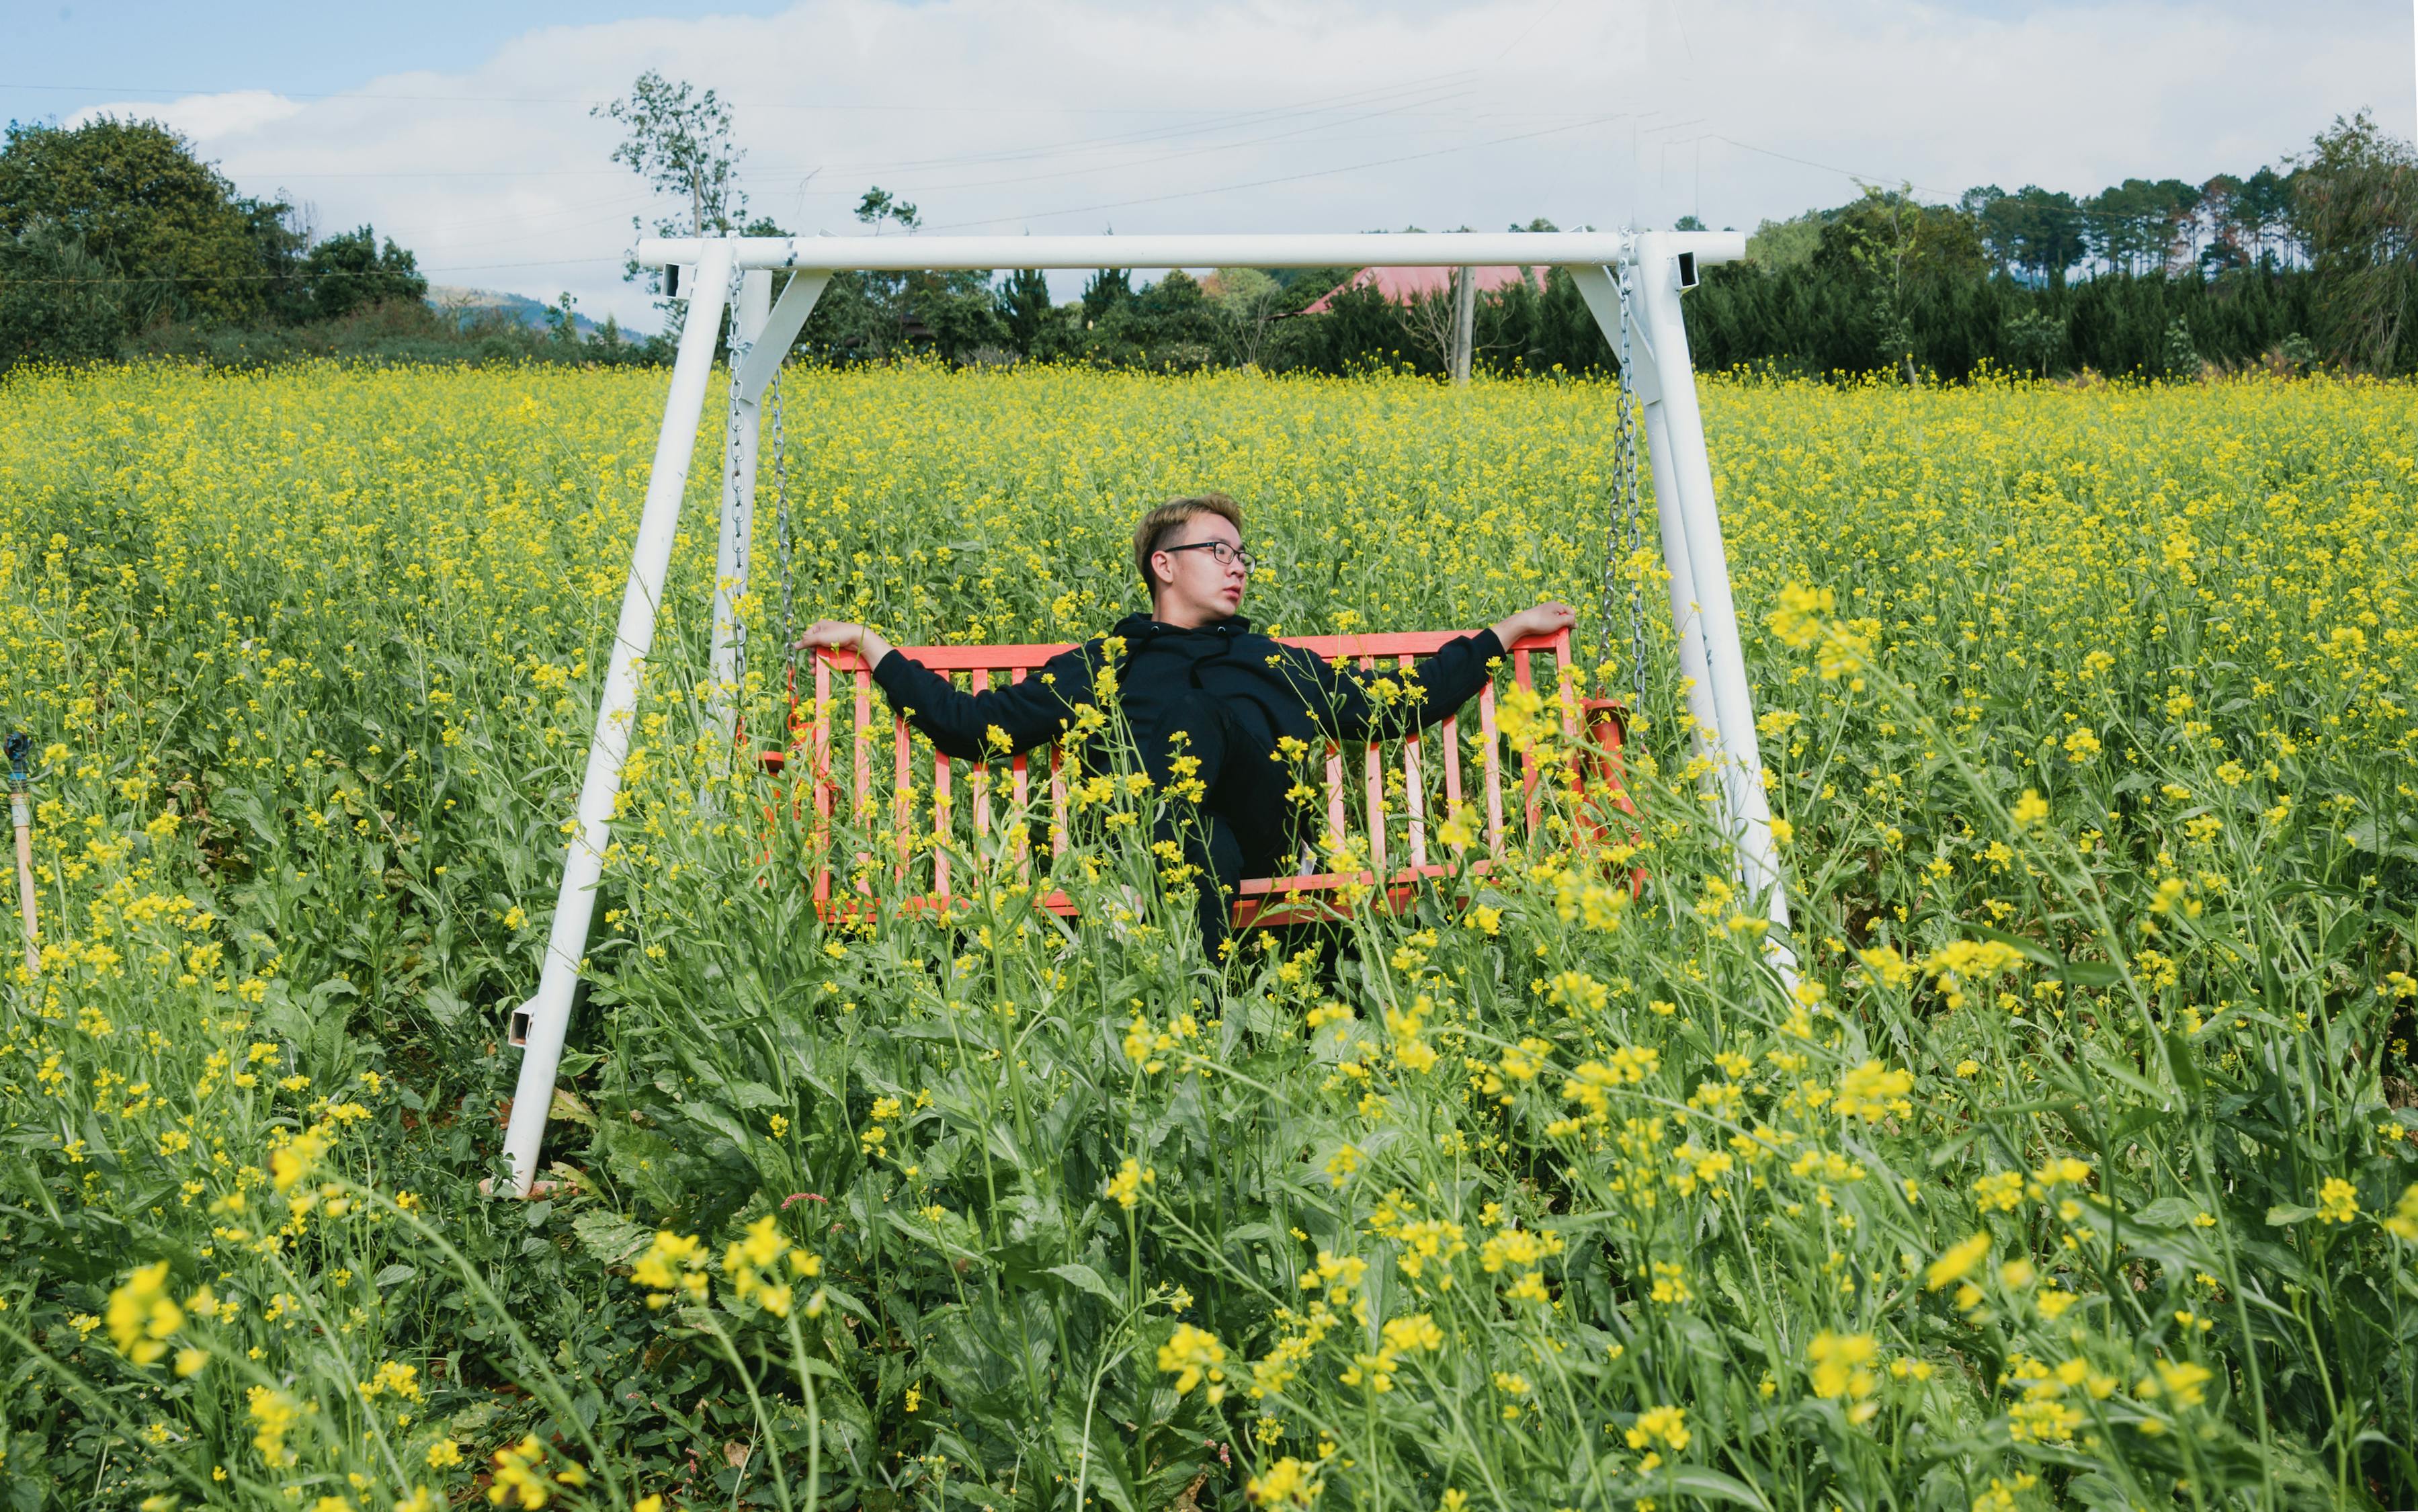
[{"x": 1273, "y": 689}]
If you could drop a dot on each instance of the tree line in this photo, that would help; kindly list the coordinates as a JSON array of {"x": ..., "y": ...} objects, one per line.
[{"x": 117, "y": 240}]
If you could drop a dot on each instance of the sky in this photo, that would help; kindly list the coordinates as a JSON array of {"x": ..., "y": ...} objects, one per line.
[{"x": 464, "y": 130}]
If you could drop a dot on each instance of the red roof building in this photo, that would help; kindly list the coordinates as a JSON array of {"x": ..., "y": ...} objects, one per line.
[{"x": 1408, "y": 285}]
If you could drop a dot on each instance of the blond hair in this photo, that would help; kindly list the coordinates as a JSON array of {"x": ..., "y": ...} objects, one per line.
[{"x": 1150, "y": 536}]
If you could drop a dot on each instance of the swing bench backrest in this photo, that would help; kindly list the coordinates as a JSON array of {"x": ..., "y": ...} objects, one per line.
[{"x": 1392, "y": 825}]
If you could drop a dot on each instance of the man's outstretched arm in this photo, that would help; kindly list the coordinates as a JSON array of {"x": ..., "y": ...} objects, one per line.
[
  {"x": 1438, "y": 686},
  {"x": 960, "y": 724}
]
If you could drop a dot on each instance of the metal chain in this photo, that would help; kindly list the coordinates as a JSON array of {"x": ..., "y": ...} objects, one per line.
[
  {"x": 781, "y": 512},
  {"x": 1629, "y": 503},
  {"x": 741, "y": 515},
  {"x": 1622, "y": 526}
]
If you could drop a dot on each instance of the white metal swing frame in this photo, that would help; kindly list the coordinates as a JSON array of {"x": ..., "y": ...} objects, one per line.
[{"x": 1655, "y": 267}]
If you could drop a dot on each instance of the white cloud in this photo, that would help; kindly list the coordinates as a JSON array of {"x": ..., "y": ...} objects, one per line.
[
  {"x": 1071, "y": 116},
  {"x": 203, "y": 118}
]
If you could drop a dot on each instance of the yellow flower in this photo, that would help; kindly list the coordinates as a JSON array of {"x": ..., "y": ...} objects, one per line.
[
  {"x": 1667, "y": 1423},
  {"x": 142, "y": 1316},
  {"x": 1126, "y": 1184},
  {"x": 1192, "y": 1355},
  {"x": 2338, "y": 1201},
  {"x": 2182, "y": 1380},
  {"x": 1289, "y": 1482},
  {"x": 1956, "y": 1262},
  {"x": 1841, "y": 1370},
  {"x": 1408, "y": 1335},
  {"x": 1797, "y": 619},
  {"x": 296, "y": 1160},
  {"x": 1871, "y": 1090},
  {"x": 673, "y": 1264},
  {"x": 274, "y": 1414},
  {"x": 2403, "y": 1225}
]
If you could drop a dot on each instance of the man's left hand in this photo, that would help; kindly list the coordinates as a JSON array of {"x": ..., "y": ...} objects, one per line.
[{"x": 1541, "y": 619}]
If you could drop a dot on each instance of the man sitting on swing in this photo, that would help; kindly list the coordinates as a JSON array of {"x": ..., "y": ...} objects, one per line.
[{"x": 1195, "y": 680}]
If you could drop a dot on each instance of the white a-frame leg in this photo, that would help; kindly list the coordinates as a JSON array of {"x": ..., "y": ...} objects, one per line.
[{"x": 1704, "y": 617}]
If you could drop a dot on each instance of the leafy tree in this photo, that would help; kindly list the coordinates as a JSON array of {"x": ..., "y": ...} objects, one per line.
[
  {"x": 2180, "y": 358},
  {"x": 2262, "y": 212},
  {"x": 349, "y": 271},
  {"x": 1901, "y": 254},
  {"x": 138, "y": 202},
  {"x": 1034, "y": 326},
  {"x": 58, "y": 300},
  {"x": 879, "y": 206},
  {"x": 872, "y": 315},
  {"x": 2357, "y": 205},
  {"x": 2033, "y": 340},
  {"x": 2032, "y": 233},
  {"x": 562, "y": 319},
  {"x": 678, "y": 141},
  {"x": 2140, "y": 224},
  {"x": 1105, "y": 291},
  {"x": 1777, "y": 246},
  {"x": 1250, "y": 301},
  {"x": 1169, "y": 323}
]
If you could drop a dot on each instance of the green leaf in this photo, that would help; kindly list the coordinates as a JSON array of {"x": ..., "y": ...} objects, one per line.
[
  {"x": 607, "y": 1235},
  {"x": 752, "y": 1095},
  {"x": 2032, "y": 950},
  {"x": 1083, "y": 1278},
  {"x": 2165, "y": 1212},
  {"x": 1713, "y": 1484},
  {"x": 2288, "y": 1213},
  {"x": 2091, "y": 973},
  {"x": 392, "y": 1275}
]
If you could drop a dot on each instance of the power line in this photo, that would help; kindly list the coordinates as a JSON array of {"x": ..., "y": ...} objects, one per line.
[
  {"x": 1432, "y": 90},
  {"x": 1828, "y": 168},
  {"x": 841, "y": 106},
  {"x": 1170, "y": 157},
  {"x": 1284, "y": 178},
  {"x": 1349, "y": 100}
]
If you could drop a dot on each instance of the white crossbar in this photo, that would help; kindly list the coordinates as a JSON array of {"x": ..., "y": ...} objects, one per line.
[{"x": 1449, "y": 248}]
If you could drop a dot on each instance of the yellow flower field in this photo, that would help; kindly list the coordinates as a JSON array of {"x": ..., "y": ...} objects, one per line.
[{"x": 2078, "y": 1172}]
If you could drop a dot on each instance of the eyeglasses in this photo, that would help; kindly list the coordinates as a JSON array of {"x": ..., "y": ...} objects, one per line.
[{"x": 1224, "y": 554}]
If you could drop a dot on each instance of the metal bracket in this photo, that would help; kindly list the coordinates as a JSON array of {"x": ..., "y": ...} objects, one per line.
[
  {"x": 1604, "y": 302},
  {"x": 516, "y": 1029},
  {"x": 781, "y": 328}
]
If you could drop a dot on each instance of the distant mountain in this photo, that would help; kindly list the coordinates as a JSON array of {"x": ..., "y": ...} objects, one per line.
[{"x": 468, "y": 305}]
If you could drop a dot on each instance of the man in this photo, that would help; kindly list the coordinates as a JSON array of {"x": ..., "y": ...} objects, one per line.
[{"x": 1194, "y": 681}]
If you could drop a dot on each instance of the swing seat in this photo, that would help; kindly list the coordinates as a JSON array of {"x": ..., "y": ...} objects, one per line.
[{"x": 1393, "y": 827}]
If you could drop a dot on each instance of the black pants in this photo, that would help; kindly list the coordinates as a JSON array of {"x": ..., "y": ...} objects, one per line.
[{"x": 1243, "y": 824}]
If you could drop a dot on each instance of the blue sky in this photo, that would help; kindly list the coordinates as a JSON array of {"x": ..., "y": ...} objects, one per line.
[
  {"x": 463, "y": 130},
  {"x": 278, "y": 45}
]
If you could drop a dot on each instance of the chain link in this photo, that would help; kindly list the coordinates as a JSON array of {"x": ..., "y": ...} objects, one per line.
[
  {"x": 1622, "y": 526},
  {"x": 781, "y": 515},
  {"x": 1629, "y": 503},
  {"x": 743, "y": 522}
]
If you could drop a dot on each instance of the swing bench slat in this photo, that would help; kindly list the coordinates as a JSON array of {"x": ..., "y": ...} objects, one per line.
[{"x": 1309, "y": 894}]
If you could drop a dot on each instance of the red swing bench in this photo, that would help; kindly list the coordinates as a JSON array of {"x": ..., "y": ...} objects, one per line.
[{"x": 1383, "y": 829}]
